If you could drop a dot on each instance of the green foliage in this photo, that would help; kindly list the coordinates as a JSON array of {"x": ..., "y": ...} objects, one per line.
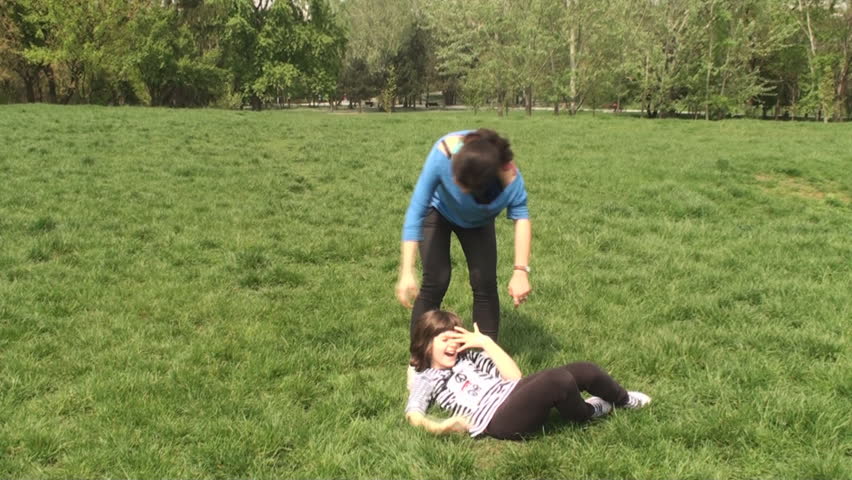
[
  {"x": 476, "y": 92},
  {"x": 356, "y": 82},
  {"x": 384, "y": 35},
  {"x": 411, "y": 62},
  {"x": 185, "y": 53},
  {"x": 275, "y": 79},
  {"x": 171, "y": 67},
  {"x": 709, "y": 58},
  {"x": 387, "y": 97},
  {"x": 281, "y": 52}
]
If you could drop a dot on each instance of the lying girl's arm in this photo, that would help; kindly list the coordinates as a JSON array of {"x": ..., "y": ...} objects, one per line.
[
  {"x": 419, "y": 398},
  {"x": 438, "y": 427},
  {"x": 505, "y": 365}
]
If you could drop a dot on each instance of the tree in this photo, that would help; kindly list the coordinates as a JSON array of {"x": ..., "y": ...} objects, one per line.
[
  {"x": 24, "y": 28},
  {"x": 412, "y": 64},
  {"x": 170, "y": 60},
  {"x": 324, "y": 47},
  {"x": 735, "y": 37},
  {"x": 496, "y": 48},
  {"x": 280, "y": 49},
  {"x": 827, "y": 28},
  {"x": 357, "y": 82},
  {"x": 592, "y": 36},
  {"x": 385, "y": 43},
  {"x": 663, "y": 39},
  {"x": 387, "y": 97}
]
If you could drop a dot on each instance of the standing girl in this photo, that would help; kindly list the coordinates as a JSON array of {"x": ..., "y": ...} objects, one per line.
[
  {"x": 467, "y": 180},
  {"x": 485, "y": 391}
]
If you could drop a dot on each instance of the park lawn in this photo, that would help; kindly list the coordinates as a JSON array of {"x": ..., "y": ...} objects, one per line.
[{"x": 209, "y": 294}]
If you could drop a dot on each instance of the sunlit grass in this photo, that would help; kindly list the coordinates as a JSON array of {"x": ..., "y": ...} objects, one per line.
[{"x": 202, "y": 293}]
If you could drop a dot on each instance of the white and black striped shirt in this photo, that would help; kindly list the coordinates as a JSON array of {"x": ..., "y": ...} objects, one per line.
[{"x": 472, "y": 388}]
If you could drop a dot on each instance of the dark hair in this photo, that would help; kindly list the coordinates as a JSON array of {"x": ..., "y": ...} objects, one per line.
[
  {"x": 426, "y": 328},
  {"x": 477, "y": 164}
]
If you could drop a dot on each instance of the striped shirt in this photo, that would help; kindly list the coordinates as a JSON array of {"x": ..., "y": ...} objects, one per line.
[{"x": 472, "y": 388}]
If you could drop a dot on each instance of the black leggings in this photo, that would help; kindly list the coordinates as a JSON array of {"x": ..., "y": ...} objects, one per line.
[
  {"x": 528, "y": 406},
  {"x": 480, "y": 250}
]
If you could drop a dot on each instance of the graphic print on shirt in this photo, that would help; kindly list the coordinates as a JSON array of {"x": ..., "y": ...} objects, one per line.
[{"x": 467, "y": 393}]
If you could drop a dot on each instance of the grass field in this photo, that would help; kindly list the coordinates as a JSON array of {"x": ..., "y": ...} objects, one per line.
[{"x": 209, "y": 294}]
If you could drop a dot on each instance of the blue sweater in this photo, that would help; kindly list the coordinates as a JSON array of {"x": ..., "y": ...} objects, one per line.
[{"x": 436, "y": 188}]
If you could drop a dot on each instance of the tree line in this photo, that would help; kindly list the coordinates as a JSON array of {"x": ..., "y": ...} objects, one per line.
[{"x": 704, "y": 58}]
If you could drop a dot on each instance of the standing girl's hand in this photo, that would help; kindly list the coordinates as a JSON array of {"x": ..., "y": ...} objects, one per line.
[
  {"x": 468, "y": 339},
  {"x": 406, "y": 289},
  {"x": 519, "y": 287}
]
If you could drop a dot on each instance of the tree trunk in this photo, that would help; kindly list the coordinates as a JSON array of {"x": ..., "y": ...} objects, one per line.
[
  {"x": 449, "y": 97},
  {"x": 709, "y": 65},
  {"x": 529, "y": 95},
  {"x": 51, "y": 84},
  {"x": 573, "y": 39},
  {"x": 572, "y": 58},
  {"x": 29, "y": 87},
  {"x": 840, "y": 95},
  {"x": 777, "y": 108},
  {"x": 652, "y": 112}
]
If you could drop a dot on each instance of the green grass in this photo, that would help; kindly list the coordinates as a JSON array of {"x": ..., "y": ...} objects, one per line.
[{"x": 208, "y": 294}]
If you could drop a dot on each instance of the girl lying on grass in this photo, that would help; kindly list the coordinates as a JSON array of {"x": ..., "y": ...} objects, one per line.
[{"x": 486, "y": 392}]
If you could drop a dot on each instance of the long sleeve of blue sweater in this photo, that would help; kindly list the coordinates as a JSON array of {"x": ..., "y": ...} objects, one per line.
[
  {"x": 436, "y": 188},
  {"x": 424, "y": 190}
]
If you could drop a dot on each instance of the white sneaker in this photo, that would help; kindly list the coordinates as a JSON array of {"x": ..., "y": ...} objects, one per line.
[
  {"x": 602, "y": 407},
  {"x": 636, "y": 400}
]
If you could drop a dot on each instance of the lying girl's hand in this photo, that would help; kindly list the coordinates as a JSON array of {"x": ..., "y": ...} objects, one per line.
[
  {"x": 457, "y": 423},
  {"x": 467, "y": 339}
]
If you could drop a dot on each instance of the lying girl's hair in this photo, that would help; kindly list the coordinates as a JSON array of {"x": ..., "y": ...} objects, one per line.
[
  {"x": 477, "y": 164},
  {"x": 428, "y": 326}
]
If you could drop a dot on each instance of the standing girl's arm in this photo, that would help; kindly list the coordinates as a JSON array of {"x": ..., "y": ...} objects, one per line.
[
  {"x": 412, "y": 228},
  {"x": 519, "y": 285},
  {"x": 505, "y": 365},
  {"x": 406, "y": 287}
]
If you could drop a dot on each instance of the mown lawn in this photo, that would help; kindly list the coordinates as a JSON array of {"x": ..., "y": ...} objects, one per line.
[{"x": 209, "y": 294}]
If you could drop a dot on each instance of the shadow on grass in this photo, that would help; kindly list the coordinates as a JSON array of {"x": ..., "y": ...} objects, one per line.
[
  {"x": 554, "y": 426},
  {"x": 522, "y": 335}
]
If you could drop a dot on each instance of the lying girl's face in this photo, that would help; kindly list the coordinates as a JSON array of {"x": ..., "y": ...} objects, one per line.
[{"x": 444, "y": 350}]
